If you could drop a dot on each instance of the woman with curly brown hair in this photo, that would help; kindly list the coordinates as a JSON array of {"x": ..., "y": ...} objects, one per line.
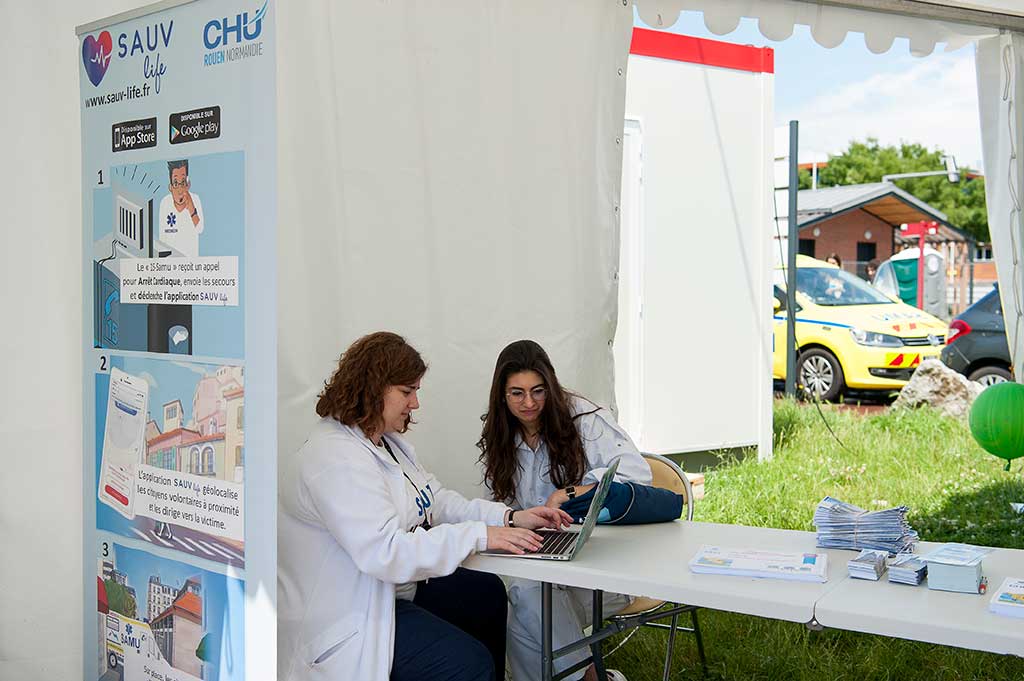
[
  {"x": 369, "y": 584},
  {"x": 542, "y": 444}
]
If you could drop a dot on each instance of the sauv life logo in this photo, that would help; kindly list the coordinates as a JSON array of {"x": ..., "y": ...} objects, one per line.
[
  {"x": 144, "y": 41},
  {"x": 96, "y": 56}
]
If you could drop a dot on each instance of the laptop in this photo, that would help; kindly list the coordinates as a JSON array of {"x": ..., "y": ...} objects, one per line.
[{"x": 565, "y": 544}]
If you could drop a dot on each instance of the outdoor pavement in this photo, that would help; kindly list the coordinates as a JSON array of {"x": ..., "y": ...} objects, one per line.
[{"x": 190, "y": 541}]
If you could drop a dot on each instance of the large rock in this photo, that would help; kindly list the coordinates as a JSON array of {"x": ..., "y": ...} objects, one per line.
[{"x": 937, "y": 385}]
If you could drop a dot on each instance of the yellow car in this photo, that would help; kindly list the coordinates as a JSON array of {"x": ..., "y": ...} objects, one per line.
[{"x": 849, "y": 334}]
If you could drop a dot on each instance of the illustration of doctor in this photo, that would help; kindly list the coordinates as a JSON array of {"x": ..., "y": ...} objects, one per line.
[{"x": 181, "y": 212}]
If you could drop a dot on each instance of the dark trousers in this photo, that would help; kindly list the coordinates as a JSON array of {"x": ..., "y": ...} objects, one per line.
[{"x": 454, "y": 630}]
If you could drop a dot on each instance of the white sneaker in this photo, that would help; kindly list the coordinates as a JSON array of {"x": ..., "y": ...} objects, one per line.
[{"x": 615, "y": 675}]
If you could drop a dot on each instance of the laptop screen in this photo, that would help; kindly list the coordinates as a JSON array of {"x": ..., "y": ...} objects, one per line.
[{"x": 597, "y": 502}]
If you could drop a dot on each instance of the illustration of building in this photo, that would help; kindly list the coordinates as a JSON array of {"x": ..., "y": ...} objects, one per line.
[
  {"x": 172, "y": 415},
  {"x": 162, "y": 451},
  {"x": 204, "y": 456},
  {"x": 159, "y": 597},
  {"x": 209, "y": 406},
  {"x": 179, "y": 629},
  {"x": 234, "y": 438},
  {"x": 211, "y": 443}
]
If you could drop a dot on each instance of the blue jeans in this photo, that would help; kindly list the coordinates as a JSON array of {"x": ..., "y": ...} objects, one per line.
[{"x": 453, "y": 631}]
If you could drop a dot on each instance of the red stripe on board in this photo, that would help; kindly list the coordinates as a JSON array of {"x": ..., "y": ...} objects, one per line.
[{"x": 648, "y": 43}]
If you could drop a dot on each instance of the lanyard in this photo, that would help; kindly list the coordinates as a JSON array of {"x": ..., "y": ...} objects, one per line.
[{"x": 424, "y": 500}]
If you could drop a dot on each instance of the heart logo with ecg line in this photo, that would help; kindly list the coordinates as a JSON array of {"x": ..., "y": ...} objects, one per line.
[{"x": 96, "y": 56}]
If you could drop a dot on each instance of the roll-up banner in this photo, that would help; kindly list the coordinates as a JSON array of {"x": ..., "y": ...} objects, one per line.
[{"x": 179, "y": 332}]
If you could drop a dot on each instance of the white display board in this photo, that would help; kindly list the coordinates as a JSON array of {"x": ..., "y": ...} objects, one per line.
[
  {"x": 693, "y": 366},
  {"x": 179, "y": 347}
]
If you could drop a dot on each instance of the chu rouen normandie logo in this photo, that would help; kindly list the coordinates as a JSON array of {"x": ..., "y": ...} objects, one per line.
[{"x": 234, "y": 39}]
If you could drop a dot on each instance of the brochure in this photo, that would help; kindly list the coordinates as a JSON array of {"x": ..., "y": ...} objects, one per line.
[
  {"x": 719, "y": 560},
  {"x": 907, "y": 568},
  {"x": 957, "y": 554},
  {"x": 956, "y": 567},
  {"x": 1009, "y": 599},
  {"x": 869, "y": 564}
]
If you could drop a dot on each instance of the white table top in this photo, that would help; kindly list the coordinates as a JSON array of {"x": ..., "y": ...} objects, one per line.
[
  {"x": 922, "y": 614},
  {"x": 651, "y": 560}
]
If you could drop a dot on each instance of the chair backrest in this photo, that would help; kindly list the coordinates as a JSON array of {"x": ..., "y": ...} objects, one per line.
[{"x": 665, "y": 474}]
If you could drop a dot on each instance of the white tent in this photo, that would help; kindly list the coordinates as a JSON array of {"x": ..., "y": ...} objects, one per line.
[{"x": 424, "y": 117}]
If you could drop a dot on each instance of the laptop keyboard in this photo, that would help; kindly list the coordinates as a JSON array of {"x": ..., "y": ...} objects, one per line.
[{"x": 557, "y": 542}]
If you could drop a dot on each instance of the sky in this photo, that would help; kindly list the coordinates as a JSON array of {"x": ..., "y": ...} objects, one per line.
[
  {"x": 168, "y": 381},
  {"x": 848, "y": 92}
]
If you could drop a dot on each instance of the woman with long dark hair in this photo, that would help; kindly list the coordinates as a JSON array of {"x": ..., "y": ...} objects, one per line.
[
  {"x": 542, "y": 444},
  {"x": 362, "y": 527}
]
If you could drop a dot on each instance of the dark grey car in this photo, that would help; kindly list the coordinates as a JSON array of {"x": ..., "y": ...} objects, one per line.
[{"x": 976, "y": 343}]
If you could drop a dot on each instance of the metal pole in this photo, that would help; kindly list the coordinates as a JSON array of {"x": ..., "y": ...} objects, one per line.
[
  {"x": 547, "y": 660},
  {"x": 595, "y": 648},
  {"x": 920, "y": 269},
  {"x": 792, "y": 243},
  {"x": 970, "y": 263}
]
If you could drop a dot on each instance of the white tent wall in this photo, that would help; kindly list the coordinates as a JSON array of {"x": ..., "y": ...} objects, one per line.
[
  {"x": 449, "y": 171},
  {"x": 40, "y": 413},
  {"x": 1000, "y": 67},
  {"x": 41, "y": 403},
  {"x": 705, "y": 376}
]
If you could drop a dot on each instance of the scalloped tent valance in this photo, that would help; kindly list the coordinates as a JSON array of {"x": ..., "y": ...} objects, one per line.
[{"x": 829, "y": 25}]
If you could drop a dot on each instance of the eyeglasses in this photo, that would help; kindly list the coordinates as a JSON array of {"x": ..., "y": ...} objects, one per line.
[
  {"x": 179, "y": 185},
  {"x": 518, "y": 395}
]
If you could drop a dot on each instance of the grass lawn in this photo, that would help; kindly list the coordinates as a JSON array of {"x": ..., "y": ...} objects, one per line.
[{"x": 955, "y": 490}]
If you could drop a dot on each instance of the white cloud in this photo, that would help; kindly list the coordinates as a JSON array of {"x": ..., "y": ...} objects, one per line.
[
  {"x": 191, "y": 367},
  {"x": 934, "y": 103}
]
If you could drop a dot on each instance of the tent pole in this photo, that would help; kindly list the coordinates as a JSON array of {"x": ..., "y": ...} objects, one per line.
[{"x": 792, "y": 242}]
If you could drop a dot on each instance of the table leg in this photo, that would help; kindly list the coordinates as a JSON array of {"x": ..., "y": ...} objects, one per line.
[
  {"x": 595, "y": 648},
  {"x": 547, "y": 664}
]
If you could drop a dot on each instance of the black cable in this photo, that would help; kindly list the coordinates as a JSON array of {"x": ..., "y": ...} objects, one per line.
[
  {"x": 814, "y": 398},
  {"x": 111, "y": 257}
]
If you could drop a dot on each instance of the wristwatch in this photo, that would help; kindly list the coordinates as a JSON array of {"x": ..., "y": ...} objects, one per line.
[
  {"x": 511, "y": 518},
  {"x": 571, "y": 491}
]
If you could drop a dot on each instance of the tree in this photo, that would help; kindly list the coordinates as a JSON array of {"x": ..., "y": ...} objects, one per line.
[
  {"x": 120, "y": 600},
  {"x": 864, "y": 162},
  {"x": 202, "y": 650}
]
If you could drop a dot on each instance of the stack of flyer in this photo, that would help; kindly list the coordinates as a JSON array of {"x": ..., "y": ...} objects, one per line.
[
  {"x": 1009, "y": 600},
  {"x": 955, "y": 567},
  {"x": 869, "y": 564},
  {"x": 845, "y": 526},
  {"x": 718, "y": 560},
  {"x": 907, "y": 568}
]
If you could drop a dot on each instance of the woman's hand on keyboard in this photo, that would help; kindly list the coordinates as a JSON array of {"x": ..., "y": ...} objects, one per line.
[
  {"x": 512, "y": 539},
  {"x": 543, "y": 516}
]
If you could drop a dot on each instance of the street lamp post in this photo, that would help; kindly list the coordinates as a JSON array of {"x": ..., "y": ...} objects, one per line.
[
  {"x": 920, "y": 230},
  {"x": 951, "y": 172}
]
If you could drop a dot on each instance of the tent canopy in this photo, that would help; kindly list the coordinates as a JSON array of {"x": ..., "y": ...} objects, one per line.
[{"x": 923, "y": 24}]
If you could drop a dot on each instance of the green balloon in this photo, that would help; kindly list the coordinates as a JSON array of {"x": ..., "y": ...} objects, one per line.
[{"x": 997, "y": 420}]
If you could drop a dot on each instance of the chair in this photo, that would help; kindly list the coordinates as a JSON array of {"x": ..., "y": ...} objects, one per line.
[{"x": 665, "y": 475}]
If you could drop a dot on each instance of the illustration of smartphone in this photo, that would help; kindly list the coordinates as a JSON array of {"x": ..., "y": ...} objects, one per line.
[{"x": 124, "y": 439}]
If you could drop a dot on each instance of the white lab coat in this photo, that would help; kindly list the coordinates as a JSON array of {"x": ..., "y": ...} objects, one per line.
[
  {"x": 603, "y": 440},
  {"x": 344, "y": 543}
]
